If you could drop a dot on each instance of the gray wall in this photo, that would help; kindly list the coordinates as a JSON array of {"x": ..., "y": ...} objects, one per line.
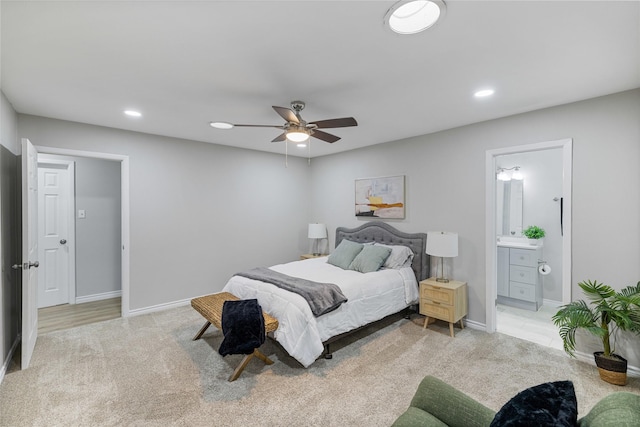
[
  {"x": 446, "y": 187},
  {"x": 199, "y": 212},
  {"x": 10, "y": 294},
  {"x": 98, "y": 241}
]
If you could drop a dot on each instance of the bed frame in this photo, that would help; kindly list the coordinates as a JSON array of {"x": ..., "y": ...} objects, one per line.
[{"x": 381, "y": 232}]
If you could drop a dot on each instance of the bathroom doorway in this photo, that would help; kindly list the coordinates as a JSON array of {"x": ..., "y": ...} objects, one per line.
[{"x": 534, "y": 188}]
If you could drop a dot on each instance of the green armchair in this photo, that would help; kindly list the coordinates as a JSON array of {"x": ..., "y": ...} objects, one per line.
[{"x": 437, "y": 404}]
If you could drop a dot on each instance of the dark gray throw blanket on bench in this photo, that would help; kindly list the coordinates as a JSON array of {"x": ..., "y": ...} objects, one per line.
[
  {"x": 322, "y": 297},
  {"x": 242, "y": 326}
]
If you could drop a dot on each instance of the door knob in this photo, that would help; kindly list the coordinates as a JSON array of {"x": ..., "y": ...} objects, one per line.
[
  {"x": 63, "y": 241},
  {"x": 16, "y": 266},
  {"x": 34, "y": 264}
]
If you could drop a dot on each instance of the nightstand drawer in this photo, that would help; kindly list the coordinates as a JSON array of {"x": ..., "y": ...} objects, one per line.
[
  {"x": 523, "y": 274},
  {"x": 522, "y": 291},
  {"x": 439, "y": 311},
  {"x": 437, "y": 294}
]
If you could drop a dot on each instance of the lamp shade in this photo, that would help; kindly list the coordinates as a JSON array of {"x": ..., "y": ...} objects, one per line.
[
  {"x": 317, "y": 231},
  {"x": 442, "y": 244}
]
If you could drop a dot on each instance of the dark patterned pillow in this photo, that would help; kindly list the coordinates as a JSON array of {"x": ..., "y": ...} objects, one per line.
[{"x": 549, "y": 404}]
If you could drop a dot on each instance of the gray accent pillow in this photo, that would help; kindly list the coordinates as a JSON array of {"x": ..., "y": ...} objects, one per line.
[
  {"x": 401, "y": 256},
  {"x": 370, "y": 259},
  {"x": 344, "y": 253}
]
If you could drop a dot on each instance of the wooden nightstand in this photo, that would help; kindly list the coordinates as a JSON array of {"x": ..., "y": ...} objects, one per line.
[
  {"x": 444, "y": 301},
  {"x": 308, "y": 256}
]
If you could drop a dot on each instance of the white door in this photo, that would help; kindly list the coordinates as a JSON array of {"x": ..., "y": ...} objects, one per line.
[
  {"x": 53, "y": 234},
  {"x": 29, "y": 250}
]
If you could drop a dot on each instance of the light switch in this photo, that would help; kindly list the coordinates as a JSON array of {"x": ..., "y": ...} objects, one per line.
[{"x": 82, "y": 213}]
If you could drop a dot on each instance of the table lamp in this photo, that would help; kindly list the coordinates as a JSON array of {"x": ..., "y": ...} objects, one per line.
[
  {"x": 444, "y": 245},
  {"x": 316, "y": 232}
]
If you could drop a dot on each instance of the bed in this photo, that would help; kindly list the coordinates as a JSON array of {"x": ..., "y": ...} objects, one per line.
[{"x": 370, "y": 296}]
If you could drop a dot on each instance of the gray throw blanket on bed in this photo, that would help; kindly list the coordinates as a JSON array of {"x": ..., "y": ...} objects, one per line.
[{"x": 322, "y": 297}]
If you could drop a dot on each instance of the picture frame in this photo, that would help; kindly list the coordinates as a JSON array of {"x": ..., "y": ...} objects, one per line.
[{"x": 382, "y": 197}]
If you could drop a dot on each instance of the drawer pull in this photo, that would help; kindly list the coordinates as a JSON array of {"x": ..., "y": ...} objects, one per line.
[{"x": 435, "y": 302}]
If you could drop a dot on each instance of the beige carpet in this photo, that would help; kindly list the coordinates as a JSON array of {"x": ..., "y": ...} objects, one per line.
[{"x": 146, "y": 371}]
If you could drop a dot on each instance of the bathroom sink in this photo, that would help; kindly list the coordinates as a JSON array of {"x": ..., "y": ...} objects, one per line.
[{"x": 518, "y": 242}]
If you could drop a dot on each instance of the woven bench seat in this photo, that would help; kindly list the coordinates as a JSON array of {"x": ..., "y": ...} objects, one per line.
[{"x": 210, "y": 307}]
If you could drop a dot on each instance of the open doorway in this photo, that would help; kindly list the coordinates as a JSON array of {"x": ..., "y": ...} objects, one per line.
[
  {"x": 89, "y": 204},
  {"x": 522, "y": 292},
  {"x": 79, "y": 234}
]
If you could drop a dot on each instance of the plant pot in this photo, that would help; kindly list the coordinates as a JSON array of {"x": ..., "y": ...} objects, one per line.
[{"x": 612, "y": 369}]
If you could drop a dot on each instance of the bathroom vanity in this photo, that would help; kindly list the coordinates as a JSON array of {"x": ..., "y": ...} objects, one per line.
[{"x": 519, "y": 283}]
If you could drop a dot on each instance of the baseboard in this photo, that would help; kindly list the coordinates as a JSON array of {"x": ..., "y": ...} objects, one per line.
[
  {"x": 159, "y": 307},
  {"x": 472, "y": 324},
  {"x": 551, "y": 303},
  {"x": 7, "y": 361},
  {"x": 98, "y": 297}
]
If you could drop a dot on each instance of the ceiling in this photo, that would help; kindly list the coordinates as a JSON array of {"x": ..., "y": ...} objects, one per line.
[{"x": 184, "y": 64}]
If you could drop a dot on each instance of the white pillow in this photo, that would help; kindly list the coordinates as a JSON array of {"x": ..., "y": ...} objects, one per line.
[{"x": 401, "y": 256}]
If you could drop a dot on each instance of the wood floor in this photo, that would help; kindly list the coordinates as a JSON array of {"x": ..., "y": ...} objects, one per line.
[{"x": 68, "y": 316}]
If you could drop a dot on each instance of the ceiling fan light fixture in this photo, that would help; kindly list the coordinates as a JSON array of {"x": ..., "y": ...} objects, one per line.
[
  {"x": 297, "y": 135},
  {"x": 221, "y": 125},
  {"x": 414, "y": 16}
]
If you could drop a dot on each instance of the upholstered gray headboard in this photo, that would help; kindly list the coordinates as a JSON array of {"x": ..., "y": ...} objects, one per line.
[{"x": 382, "y": 232}]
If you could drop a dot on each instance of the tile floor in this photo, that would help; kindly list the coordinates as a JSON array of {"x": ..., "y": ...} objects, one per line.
[{"x": 534, "y": 326}]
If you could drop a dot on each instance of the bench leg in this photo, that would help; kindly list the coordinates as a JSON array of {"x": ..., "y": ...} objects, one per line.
[
  {"x": 245, "y": 361},
  {"x": 202, "y": 331}
]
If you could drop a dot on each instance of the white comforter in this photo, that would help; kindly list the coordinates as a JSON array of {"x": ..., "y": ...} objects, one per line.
[{"x": 371, "y": 296}]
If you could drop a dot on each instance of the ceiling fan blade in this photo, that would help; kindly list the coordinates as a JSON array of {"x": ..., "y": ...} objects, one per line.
[
  {"x": 287, "y": 114},
  {"x": 280, "y": 137},
  {"x": 260, "y": 126},
  {"x": 336, "y": 123},
  {"x": 326, "y": 137}
]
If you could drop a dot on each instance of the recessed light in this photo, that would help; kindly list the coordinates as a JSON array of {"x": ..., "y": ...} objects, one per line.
[
  {"x": 484, "y": 93},
  {"x": 413, "y": 16},
  {"x": 221, "y": 125},
  {"x": 133, "y": 113}
]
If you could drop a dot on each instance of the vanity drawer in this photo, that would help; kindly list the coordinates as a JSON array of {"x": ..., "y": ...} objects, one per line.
[
  {"x": 523, "y": 274},
  {"x": 435, "y": 293},
  {"x": 439, "y": 311},
  {"x": 524, "y": 257},
  {"x": 522, "y": 291}
]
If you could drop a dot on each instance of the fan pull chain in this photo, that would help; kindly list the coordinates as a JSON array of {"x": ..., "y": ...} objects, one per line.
[
  {"x": 309, "y": 159},
  {"x": 286, "y": 154}
]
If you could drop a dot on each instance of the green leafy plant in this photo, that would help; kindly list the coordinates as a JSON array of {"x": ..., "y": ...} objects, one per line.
[
  {"x": 533, "y": 232},
  {"x": 607, "y": 312}
]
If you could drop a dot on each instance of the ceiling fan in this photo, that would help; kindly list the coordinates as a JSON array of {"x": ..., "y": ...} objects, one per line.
[{"x": 295, "y": 128}]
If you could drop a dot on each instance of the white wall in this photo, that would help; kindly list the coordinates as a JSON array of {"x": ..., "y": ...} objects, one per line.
[
  {"x": 445, "y": 186},
  {"x": 199, "y": 212}
]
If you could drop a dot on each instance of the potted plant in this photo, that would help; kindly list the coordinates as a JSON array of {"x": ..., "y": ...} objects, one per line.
[
  {"x": 607, "y": 312},
  {"x": 533, "y": 232}
]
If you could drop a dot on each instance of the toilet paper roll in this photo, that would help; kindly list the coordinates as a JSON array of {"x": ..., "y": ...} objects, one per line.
[{"x": 544, "y": 269}]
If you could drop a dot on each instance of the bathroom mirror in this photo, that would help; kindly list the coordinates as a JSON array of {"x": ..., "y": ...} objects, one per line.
[{"x": 509, "y": 207}]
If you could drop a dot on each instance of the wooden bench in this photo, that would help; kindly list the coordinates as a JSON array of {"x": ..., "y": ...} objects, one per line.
[{"x": 210, "y": 307}]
